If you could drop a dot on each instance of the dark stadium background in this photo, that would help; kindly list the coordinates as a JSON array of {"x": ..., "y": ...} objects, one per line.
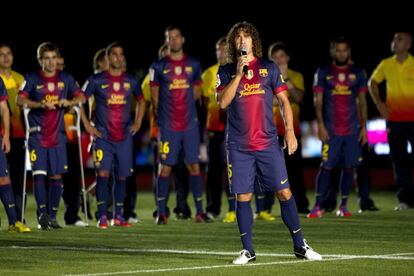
[{"x": 305, "y": 27}]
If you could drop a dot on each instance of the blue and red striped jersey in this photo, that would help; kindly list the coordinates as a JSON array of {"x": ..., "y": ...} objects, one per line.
[
  {"x": 250, "y": 125},
  {"x": 176, "y": 80},
  {"x": 340, "y": 87},
  {"x": 39, "y": 88},
  {"x": 113, "y": 102}
]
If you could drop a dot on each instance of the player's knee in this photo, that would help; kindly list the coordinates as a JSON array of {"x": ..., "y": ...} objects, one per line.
[
  {"x": 56, "y": 177},
  {"x": 194, "y": 168},
  {"x": 4, "y": 180},
  {"x": 284, "y": 195},
  {"x": 103, "y": 174},
  {"x": 165, "y": 170},
  {"x": 244, "y": 197}
]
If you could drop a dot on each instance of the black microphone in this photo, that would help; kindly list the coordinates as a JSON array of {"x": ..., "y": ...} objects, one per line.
[{"x": 243, "y": 52}]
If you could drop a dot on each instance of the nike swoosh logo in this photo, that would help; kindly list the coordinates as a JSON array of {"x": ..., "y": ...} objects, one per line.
[
  {"x": 166, "y": 71},
  {"x": 161, "y": 198},
  {"x": 233, "y": 76},
  {"x": 329, "y": 77},
  {"x": 295, "y": 231},
  {"x": 39, "y": 86},
  {"x": 283, "y": 181},
  {"x": 104, "y": 86},
  {"x": 243, "y": 234}
]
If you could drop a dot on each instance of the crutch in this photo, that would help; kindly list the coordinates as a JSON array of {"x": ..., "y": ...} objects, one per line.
[
  {"x": 77, "y": 128},
  {"x": 27, "y": 165}
]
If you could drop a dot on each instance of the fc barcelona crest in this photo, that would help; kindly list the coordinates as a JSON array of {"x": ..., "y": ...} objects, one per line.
[
  {"x": 263, "y": 72},
  {"x": 116, "y": 86},
  {"x": 249, "y": 74},
  {"x": 51, "y": 86},
  {"x": 178, "y": 70},
  {"x": 341, "y": 77}
]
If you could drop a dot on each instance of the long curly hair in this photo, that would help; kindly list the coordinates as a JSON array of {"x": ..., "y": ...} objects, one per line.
[{"x": 249, "y": 29}]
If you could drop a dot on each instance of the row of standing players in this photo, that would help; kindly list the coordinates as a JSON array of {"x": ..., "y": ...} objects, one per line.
[{"x": 293, "y": 80}]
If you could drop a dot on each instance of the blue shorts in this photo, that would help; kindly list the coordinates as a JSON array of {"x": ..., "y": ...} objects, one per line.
[
  {"x": 118, "y": 154},
  {"x": 47, "y": 161},
  {"x": 171, "y": 142},
  {"x": 341, "y": 151},
  {"x": 268, "y": 165},
  {"x": 3, "y": 162}
]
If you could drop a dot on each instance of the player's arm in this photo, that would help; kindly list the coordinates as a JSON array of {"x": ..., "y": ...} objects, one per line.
[
  {"x": 296, "y": 93},
  {"x": 79, "y": 99},
  {"x": 318, "y": 102},
  {"x": 155, "y": 93},
  {"x": 24, "y": 101},
  {"x": 88, "y": 126},
  {"x": 229, "y": 92},
  {"x": 226, "y": 96},
  {"x": 139, "y": 115},
  {"x": 286, "y": 111},
  {"x": 362, "y": 104},
  {"x": 375, "y": 95},
  {"x": 197, "y": 92},
  {"x": 5, "y": 118}
]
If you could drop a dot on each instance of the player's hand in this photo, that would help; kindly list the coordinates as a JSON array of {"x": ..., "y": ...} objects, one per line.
[
  {"x": 383, "y": 110},
  {"x": 242, "y": 62},
  {"x": 284, "y": 70},
  {"x": 291, "y": 142},
  {"x": 135, "y": 127},
  {"x": 5, "y": 144},
  {"x": 363, "y": 136},
  {"x": 323, "y": 133},
  {"x": 93, "y": 131},
  {"x": 64, "y": 103},
  {"x": 50, "y": 106}
]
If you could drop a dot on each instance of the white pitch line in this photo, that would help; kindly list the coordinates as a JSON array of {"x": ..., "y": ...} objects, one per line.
[
  {"x": 198, "y": 268},
  {"x": 398, "y": 256},
  {"x": 139, "y": 250}
]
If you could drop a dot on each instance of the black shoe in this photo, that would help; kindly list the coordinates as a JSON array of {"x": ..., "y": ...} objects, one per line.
[
  {"x": 303, "y": 210},
  {"x": 54, "y": 225},
  {"x": 182, "y": 216},
  {"x": 44, "y": 220},
  {"x": 328, "y": 205},
  {"x": 185, "y": 212},
  {"x": 367, "y": 205}
]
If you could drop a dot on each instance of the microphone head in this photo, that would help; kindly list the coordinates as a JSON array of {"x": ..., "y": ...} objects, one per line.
[{"x": 243, "y": 50}]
